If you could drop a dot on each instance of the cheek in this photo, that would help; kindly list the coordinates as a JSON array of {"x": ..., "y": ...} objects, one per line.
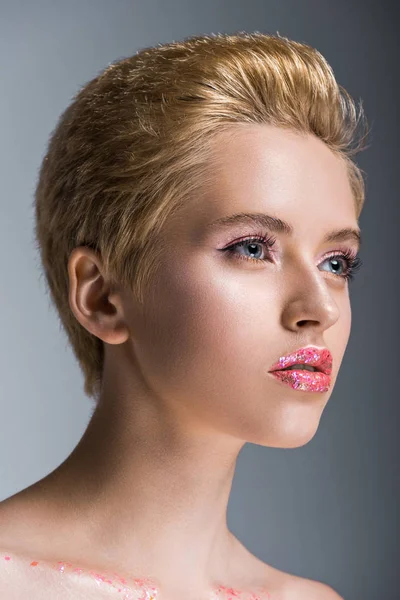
[
  {"x": 208, "y": 331},
  {"x": 337, "y": 336},
  {"x": 344, "y": 321}
]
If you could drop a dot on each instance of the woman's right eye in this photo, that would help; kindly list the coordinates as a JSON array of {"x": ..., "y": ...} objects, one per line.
[{"x": 252, "y": 242}]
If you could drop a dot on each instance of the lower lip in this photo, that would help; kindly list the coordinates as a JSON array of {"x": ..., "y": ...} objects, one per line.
[{"x": 303, "y": 380}]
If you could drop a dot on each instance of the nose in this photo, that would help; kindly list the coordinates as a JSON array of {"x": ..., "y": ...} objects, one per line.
[{"x": 309, "y": 301}]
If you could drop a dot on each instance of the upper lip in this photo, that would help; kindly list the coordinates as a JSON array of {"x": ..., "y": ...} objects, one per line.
[{"x": 320, "y": 358}]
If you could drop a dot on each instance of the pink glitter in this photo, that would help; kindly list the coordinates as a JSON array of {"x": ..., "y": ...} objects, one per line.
[
  {"x": 305, "y": 381},
  {"x": 144, "y": 588},
  {"x": 301, "y": 379},
  {"x": 310, "y": 355}
]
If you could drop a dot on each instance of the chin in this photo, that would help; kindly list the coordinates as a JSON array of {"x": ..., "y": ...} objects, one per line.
[
  {"x": 297, "y": 442},
  {"x": 300, "y": 441},
  {"x": 293, "y": 435}
]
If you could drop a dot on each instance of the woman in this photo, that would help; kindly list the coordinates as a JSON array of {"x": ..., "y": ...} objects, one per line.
[{"x": 197, "y": 218}]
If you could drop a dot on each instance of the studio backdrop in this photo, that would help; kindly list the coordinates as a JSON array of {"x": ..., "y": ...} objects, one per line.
[{"x": 327, "y": 510}]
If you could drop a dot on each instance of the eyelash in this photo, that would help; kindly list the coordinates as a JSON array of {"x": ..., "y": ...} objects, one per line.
[{"x": 353, "y": 261}]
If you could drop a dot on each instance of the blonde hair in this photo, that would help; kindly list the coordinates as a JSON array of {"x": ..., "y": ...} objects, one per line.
[{"x": 132, "y": 147}]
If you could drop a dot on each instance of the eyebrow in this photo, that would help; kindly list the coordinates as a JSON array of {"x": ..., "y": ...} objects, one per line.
[{"x": 279, "y": 226}]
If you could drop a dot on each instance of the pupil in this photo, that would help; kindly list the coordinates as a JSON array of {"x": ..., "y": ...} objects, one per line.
[
  {"x": 336, "y": 263},
  {"x": 253, "y": 246}
]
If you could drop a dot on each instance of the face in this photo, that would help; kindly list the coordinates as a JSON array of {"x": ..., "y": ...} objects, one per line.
[{"x": 218, "y": 320}]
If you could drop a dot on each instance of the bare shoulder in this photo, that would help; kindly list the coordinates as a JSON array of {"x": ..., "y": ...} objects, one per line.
[
  {"x": 22, "y": 577},
  {"x": 281, "y": 585},
  {"x": 14, "y": 578},
  {"x": 299, "y": 588}
]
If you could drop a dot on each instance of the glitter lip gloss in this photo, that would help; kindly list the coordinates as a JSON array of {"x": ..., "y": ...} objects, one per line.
[{"x": 302, "y": 379}]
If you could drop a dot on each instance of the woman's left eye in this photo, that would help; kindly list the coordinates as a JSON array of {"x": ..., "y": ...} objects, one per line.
[
  {"x": 344, "y": 261},
  {"x": 352, "y": 263}
]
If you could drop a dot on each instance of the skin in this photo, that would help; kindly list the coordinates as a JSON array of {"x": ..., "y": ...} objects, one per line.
[{"x": 186, "y": 384}]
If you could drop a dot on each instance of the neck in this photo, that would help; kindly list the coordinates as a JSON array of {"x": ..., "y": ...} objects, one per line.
[{"x": 147, "y": 492}]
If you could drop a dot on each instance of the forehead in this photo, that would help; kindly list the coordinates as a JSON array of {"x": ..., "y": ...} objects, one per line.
[
  {"x": 257, "y": 168},
  {"x": 266, "y": 167}
]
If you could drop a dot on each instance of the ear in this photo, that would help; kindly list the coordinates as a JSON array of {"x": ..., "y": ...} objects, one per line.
[{"x": 95, "y": 305}]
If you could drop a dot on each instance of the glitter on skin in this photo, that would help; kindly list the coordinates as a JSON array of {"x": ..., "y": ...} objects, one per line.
[{"x": 143, "y": 585}]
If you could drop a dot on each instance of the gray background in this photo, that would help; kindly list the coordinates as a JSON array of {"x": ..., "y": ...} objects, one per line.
[{"x": 328, "y": 510}]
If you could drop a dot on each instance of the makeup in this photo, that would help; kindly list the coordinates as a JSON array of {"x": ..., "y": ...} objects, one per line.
[
  {"x": 294, "y": 369},
  {"x": 304, "y": 381},
  {"x": 129, "y": 588}
]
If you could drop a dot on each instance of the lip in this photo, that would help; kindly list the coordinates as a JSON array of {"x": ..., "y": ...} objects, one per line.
[
  {"x": 320, "y": 358},
  {"x": 301, "y": 379}
]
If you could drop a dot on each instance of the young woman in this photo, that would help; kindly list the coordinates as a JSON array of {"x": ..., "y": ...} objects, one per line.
[{"x": 197, "y": 218}]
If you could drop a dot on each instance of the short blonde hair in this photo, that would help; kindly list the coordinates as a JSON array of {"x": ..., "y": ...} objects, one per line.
[{"x": 131, "y": 149}]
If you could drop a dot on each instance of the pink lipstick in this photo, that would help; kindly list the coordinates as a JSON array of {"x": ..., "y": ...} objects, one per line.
[{"x": 307, "y": 369}]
